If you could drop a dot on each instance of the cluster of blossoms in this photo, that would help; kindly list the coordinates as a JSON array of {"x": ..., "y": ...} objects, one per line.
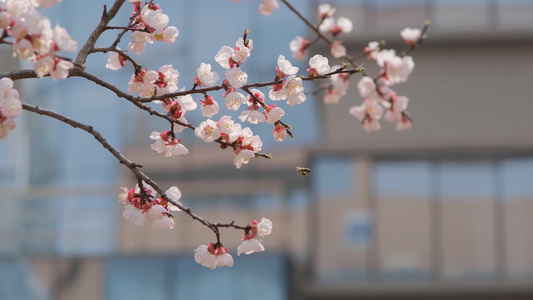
[
  {"x": 148, "y": 83},
  {"x": 215, "y": 255},
  {"x": 231, "y": 59},
  {"x": 140, "y": 206},
  {"x": 10, "y": 107},
  {"x": 328, "y": 25},
  {"x": 150, "y": 25},
  {"x": 380, "y": 99},
  {"x": 291, "y": 87},
  {"x": 33, "y": 36},
  {"x": 229, "y": 133},
  {"x": 378, "y": 95}
]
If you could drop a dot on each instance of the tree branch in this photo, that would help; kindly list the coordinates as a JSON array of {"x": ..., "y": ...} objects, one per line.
[
  {"x": 133, "y": 167},
  {"x": 88, "y": 47}
]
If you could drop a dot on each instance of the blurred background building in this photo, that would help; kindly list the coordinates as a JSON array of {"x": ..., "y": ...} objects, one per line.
[{"x": 440, "y": 211}]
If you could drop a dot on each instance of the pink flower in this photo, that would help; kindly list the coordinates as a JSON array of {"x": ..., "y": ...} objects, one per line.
[
  {"x": 243, "y": 157},
  {"x": 325, "y": 10},
  {"x": 229, "y": 130},
  {"x": 398, "y": 104},
  {"x": 411, "y": 35},
  {"x": 63, "y": 40},
  {"x": 208, "y": 131},
  {"x": 367, "y": 87},
  {"x": 369, "y": 114},
  {"x": 284, "y": 68},
  {"x": 267, "y": 6},
  {"x": 318, "y": 65},
  {"x": 298, "y": 47},
  {"x": 403, "y": 124},
  {"x": 157, "y": 19},
  {"x": 167, "y": 143},
  {"x": 213, "y": 256},
  {"x": 115, "y": 61},
  {"x": 139, "y": 207},
  {"x": 225, "y": 57},
  {"x": 273, "y": 114},
  {"x": 332, "y": 96},
  {"x": 143, "y": 83},
  {"x": 241, "y": 52},
  {"x": 139, "y": 40},
  {"x": 61, "y": 69},
  {"x": 205, "y": 76},
  {"x": 279, "y": 133},
  {"x": 236, "y": 77},
  {"x": 252, "y": 237},
  {"x": 343, "y": 25},
  {"x": 170, "y": 34},
  {"x": 209, "y": 106},
  {"x": 234, "y": 100},
  {"x": 372, "y": 50},
  {"x": 293, "y": 86},
  {"x": 337, "y": 49}
]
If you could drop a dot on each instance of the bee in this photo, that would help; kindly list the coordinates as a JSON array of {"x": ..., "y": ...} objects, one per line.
[{"x": 303, "y": 171}]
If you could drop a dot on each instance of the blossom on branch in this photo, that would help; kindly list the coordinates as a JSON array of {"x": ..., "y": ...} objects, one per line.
[
  {"x": 140, "y": 206},
  {"x": 253, "y": 236},
  {"x": 212, "y": 256},
  {"x": 369, "y": 113},
  {"x": 208, "y": 131},
  {"x": 318, "y": 65},
  {"x": 246, "y": 145},
  {"x": 294, "y": 88},
  {"x": 115, "y": 61},
  {"x": 252, "y": 114},
  {"x": 10, "y": 107},
  {"x": 234, "y": 100},
  {"x": 143, "y": 83},
  {"x": 273, "y": 114},
  {"x": 337, "y": 49},
  {"x": 372, "y": 50},
  {"x": 325, "y": 10},
  {"x": 343, "y": 25},
  {"x": 298, "y": 47},
  {"x": 236, "y": 77},
  {"x": 395, "y": 69},
  {"x": 285, "y": 68},
  {"x": 279, "y": 133},
  {"x": 205, "y": 76},
  {"x": 267, "y": 6},
  {"x": 166, "y": 142},
  {"x": 209, "y": 106},
  {"x": 411, "y": 35},
  {"x": 150, "y": 25}
]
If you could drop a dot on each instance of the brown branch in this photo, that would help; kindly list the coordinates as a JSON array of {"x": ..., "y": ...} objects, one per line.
[
  {"x": 421, "y": 39},
  {"x": 88, "y": 47},
  {"x": 121, "y": 53},
  {"x": 322, "y": 36},
  {"x": 133, "y": 167},
  {"x": 127, "y": 28},
  {"x": 244, "y": 87}
]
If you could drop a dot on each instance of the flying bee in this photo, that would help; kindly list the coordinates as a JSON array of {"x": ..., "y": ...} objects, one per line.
[{"x": 303, "y": 171}]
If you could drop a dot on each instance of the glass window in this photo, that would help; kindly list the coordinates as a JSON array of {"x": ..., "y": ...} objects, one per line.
[
  {"x": 333, "y": 176},
  {"x": 261, "y": 277},
  {"x": 402, "y": 179}
]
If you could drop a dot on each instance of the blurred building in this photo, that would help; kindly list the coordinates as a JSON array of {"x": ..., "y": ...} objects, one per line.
[{"x": 440, "y": 211}]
